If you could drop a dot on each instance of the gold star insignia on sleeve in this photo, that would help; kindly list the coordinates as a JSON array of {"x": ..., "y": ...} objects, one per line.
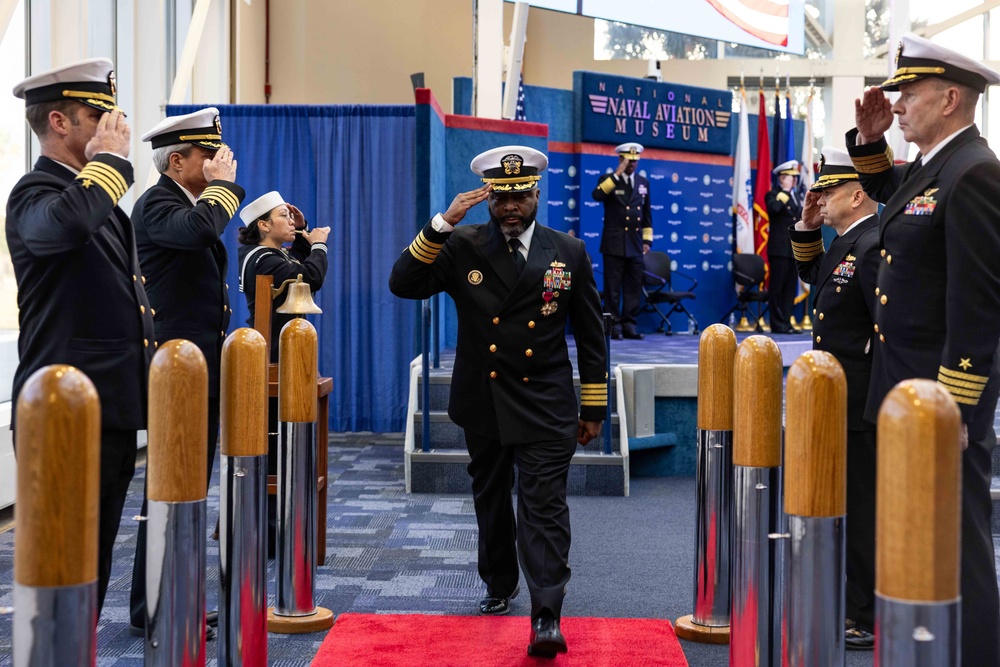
[
  {"x": 211, "y": 202},
  {"x": 966, "y": 364},
  {"x": 87, "y": 183}
]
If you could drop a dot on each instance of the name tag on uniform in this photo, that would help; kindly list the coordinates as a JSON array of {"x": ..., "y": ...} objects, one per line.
[{"x": 619, "y": 192}]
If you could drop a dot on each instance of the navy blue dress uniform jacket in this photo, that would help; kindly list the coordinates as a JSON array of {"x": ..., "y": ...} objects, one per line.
[
  {"x": 940, "y": 270},
  {"x": 843, "y": 302},
  {"x": 783, "y": 212},
  {"x": 255, "y": 260},
  {"x": 79, "y": 287},
  {"x": 184, "y": 261},
  {"x": 513, "y": 380},
  {"x": 628, "y": 222}
]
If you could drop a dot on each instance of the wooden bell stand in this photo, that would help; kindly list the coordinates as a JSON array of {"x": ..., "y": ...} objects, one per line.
[{"x": 262, "y": 323}]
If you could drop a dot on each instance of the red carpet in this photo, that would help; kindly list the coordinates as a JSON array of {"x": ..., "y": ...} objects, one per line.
[{"x": 419, "y": 640}]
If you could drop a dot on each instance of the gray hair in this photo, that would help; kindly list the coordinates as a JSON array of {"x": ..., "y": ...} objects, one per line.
[{"x": 161, "y": 155}]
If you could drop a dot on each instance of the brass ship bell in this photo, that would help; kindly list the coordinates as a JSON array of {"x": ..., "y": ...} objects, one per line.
[{"x": 299, "y": 300}]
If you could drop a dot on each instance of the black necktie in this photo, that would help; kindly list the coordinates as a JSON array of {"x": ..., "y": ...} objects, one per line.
[{"x": 516, "y": 256}]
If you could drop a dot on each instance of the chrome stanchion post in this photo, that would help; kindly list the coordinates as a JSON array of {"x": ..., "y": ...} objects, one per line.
[
  {"x": 175, "y": 516},
  {"x": 58, "y": 490},
  {"x": 755, "y": 626},
  {"x": 243, "y": 506},
  {"x": 714, "y": 485},
  {"x": 816, "y": 504},
  {"x": 295, "y": 610},
  {"x": 918, "y": 528}
]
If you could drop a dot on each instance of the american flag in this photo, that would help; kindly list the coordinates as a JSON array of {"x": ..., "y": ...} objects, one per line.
[
  {"x": 519, "y": 111},
  {"x": 764, "y": 19}
]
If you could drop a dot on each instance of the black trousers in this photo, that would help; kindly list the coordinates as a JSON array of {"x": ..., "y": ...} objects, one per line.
[
  {"x": 980, "y": 619},
  {"x": 861, "y": 482},
  {"x": 623, "y": 289},
  {"x": 137, "y": 597},
  {"x": 781, "y": 292},
  {"x": 540, "y": 536},
  {"x": 117, "y": 470}
]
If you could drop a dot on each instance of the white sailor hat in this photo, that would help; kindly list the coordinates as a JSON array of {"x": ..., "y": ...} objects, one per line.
[
  {"x": 201, "y": 128},
  {"x": 91, "y": 82},
  {"x": 510, "y": 168},
  {"x": 835, "y": 167},
  {"x": 261, "y": 206},
  {"x": 630, "y": 150},
  {"x": 918, "y": 58},
  {"x": 790, "y": 168}
]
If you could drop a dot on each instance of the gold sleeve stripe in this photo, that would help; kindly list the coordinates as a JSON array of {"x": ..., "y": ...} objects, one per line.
[
  {"x": 647, "y": 234},
  {"x": 607, "y": 185},
  {"x": 964, "y": 400},
  {"x": 594, "y": 395},
  {"x": 959, "y": 375},
  {"x": 873, "y": 164},
  {"x": 805, "y": 252},
  {"x": 951, "y": 382},
  {"x": 963, "y": 392},
  {"x": 222, "y": 196},
  {"x": 594, "y": 404},
  {"x": 89, "y": 176},
  {"x": 424, "y": 250},
  {"x": 110, "y": 173},
  {"x": 593, "y": 385}
]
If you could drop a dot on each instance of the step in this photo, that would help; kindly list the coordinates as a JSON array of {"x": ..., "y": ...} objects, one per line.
[
  {"x": 591, "y": 473},
  {"x": 440, "y": 391}
]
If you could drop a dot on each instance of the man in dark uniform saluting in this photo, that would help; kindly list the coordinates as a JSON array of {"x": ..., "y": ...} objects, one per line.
[
  {"x": 178, "y": 228},
  {"x": 79, "y": 291},
  {"x": 627, "y": 236},
  {"x": 843, "y": 315},
  {"x": 516, "y": 284},
  {"x": 783, "y": 210},
  {"x": 938, "y": 310}
]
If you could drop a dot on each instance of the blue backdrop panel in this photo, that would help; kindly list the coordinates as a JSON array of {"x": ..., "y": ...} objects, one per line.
[
  {"x": 564, "y": 192},
  {"x": 351, "y": 168},
  {"x": 689, "y": 202}
]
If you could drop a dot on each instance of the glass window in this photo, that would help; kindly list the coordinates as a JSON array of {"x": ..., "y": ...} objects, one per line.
[{"x": 13, "y": 140}]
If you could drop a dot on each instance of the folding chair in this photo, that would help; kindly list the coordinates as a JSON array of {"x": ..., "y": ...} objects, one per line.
[
  {"x": 748, "y": 272},
  {"x": 657, "y": 289}
]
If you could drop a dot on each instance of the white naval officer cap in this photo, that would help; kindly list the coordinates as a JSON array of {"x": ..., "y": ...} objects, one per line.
[
  {"x": 261, "y": 206},
  {"x": 835, "y": 167},
  {"x": 91, "y": 82},
  {"x": 510, "y": 168},
  {"x": 790, "y": 168},
  {"x": 918, "y": 58},
  {"x": 201, "y": 128},
  {"x": 630, "y": 150}
]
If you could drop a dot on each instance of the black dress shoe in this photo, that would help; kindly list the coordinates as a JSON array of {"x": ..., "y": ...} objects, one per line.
[
  {"x": 632, "y": 335},
  {"x": 856, "y": 639},
  {"x": 546, "y": 638},
  {"x": 212, "y": 618},
  {"x": 493, "y": 605},
  {"x": 616, "y": 334}
]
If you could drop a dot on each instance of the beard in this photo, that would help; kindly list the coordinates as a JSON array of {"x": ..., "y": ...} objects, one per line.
[{"x": 514, "y": 229}]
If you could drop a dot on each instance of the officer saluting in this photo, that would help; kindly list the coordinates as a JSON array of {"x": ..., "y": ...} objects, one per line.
[
  {"x": 938, "y": 310},
  {"x": 844, "y": 280},
  {"x": 79, "y": 291},
  {"x": 627, "y": 236},
  {"x": 783, "y": 209},
  {"x": 516, "y": 284},
  {"x": 178, "y": 228}
]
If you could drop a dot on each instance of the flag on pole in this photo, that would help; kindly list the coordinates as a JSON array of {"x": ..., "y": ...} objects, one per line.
[
  {"x": 789, "y": 125},
  {"x": 742, "y": 187},
  {"x": 762, "y": 225},
  {"x": 806, "y": 179},
  {"x": 778, "y": 140},
  {"x": 519, "y": 110}
]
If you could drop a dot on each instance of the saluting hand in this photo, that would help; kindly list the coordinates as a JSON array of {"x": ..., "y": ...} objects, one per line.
[
  {"x": 222, "y": 166},
  {"x": 587, "y": 431},
  {"x": 298, "y": 219},
  {"x": 811, "y": 217},
  {"x": 463, "y": 202},
  {"x": 621, "y": 167},
  {"x": 113, "y": 136},
  {"x": 872, "y": 115}
]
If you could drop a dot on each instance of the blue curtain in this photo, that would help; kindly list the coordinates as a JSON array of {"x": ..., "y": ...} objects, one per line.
[{"x": 349, "y": 168}]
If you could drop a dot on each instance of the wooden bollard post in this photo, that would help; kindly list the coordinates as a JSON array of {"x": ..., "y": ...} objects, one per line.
[
  {"x": 755, "y": 628},
  {"x": 918, "y": 543},
  {"x": 243, "y": 539},
  {"x": 295, "y": 610},
  {"x": 714, "y": 483},
  {"x": 55, "y": 547},
  {"x": 816, "y": 503},
  {"x": 175, "y": 516}
]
